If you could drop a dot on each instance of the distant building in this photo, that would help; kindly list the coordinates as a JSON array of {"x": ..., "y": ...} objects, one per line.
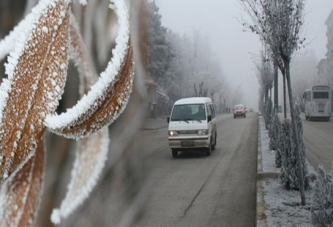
[
  {"x": 158, "y": 101},
  {"x": 325, "y": 66},
  {"x": 329, "y": 54},
  {"x": 322, "y": 71}
]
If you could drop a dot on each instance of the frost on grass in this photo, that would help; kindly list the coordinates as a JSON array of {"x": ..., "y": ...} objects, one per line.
[
  {"x": 283, "y": 208},
  {"x": 37, "y": 69}
]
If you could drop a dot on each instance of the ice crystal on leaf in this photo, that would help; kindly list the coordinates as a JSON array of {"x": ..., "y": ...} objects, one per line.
[
  {"x": 20, "y": 194},
  {"x": 39, "y": 49},
  {"x": 28, "y": 94},
  {"x": 104, "y": 103}
]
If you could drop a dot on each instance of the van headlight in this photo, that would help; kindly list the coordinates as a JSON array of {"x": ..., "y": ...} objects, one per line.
[
  {"x": 173, "y": 133},
  {"x": 202, "y": 132}
]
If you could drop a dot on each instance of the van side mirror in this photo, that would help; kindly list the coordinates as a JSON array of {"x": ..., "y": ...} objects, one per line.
[
  {"x": 209, "y": 118},
  {"x": 168, "y": 119}
]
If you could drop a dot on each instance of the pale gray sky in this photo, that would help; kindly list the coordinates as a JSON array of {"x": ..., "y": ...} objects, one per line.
[{"x": 217, "y": 19}]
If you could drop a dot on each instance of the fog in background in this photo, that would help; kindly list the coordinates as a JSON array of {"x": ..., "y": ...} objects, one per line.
[{"x": 237, "y": 49}]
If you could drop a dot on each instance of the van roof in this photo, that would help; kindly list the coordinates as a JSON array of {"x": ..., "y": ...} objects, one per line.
[{"x": 193, "y": 100}]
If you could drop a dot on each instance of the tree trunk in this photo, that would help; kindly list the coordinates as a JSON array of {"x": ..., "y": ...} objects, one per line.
[
  {"x": 276, "y": 87},
  {"x": 296, "y": 135},
  {"x": 285, "y": 95}
]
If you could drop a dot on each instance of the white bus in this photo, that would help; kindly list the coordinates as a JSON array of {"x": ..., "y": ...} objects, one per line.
[{"x": 317, "y": 101}]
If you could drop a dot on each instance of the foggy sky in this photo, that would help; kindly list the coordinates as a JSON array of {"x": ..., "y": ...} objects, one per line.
[{"x": 219, "y": 21}]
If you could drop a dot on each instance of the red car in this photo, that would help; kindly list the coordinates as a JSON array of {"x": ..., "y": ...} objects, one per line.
[{"x": 239, "y": 110}]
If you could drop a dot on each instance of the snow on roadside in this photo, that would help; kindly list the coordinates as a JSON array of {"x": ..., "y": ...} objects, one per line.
[{"x": 282, "y": 207}]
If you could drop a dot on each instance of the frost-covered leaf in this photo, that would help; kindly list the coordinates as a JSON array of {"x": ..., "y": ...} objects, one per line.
[
  {"x": 91, "y": 152},
  {"x": 108, "y": 96},
  {"x": 7, "y": 44},
  {"x": 90, "y": 158},
  {"x": 36, "y": 70},
  {"x": 21, "y": 193},
  {"x": 36, "y": 74}
]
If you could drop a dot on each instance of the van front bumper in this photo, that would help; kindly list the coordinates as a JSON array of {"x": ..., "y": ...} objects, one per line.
[{"x": 189, "y": 143}]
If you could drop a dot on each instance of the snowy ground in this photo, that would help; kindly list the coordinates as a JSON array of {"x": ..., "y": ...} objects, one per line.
[{"x": 282, "y": 207}]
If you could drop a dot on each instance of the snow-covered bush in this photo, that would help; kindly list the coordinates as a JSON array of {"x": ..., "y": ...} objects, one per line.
[
  {"x": 289, "y": 166},
  {"x": 270, "y": 124},
  {"x": 322, "y": 199},
  {"x": 267, "y": 113},
  {"x": 274, "y": 135},
  {"x": 274, "y": 131},
  {"x": 302, "y": 147},
  {"x": 278, "y": 159},
  {"x": 285, "y": 150}
]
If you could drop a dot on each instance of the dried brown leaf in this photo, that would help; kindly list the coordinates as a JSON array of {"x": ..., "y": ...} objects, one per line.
[
  {"x": 107, "y": 107},
  {"x": 21, "y": 193},
  {"x": 35, "y": 87}
]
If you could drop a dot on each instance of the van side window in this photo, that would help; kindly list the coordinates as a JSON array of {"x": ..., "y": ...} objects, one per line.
[
  {"x": 211, "y": 107},
  {"x": 208, "y": 110},
  {"x": 212, "y": 110}
]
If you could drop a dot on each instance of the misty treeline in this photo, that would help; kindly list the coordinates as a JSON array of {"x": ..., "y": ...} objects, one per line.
[{"x": 185, "y": 65}]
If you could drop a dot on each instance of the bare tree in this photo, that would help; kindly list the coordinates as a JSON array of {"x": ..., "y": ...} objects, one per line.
[
  {"x": 265, "y": 78},
  {"x": 278, "y": 23}
]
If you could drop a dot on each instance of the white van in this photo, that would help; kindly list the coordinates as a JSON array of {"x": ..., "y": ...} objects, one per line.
[{"x": 192, "y": 125}]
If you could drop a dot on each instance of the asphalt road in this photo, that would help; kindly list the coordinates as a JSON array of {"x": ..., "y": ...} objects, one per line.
[
  {"x": 319, "y": 143},
  {"x": 197, "y": 190}
]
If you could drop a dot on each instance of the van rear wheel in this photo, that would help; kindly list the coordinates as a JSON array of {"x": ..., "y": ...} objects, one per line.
[
  {"x": 174, "y": 153},
  {"x": 209, "y": 149}
]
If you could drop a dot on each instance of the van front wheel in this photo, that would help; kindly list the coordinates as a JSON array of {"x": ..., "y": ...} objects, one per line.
[
  {"x": 209, "y": 149},
  {"x": 214, "y": 145},
  {"x": 174, "y": 153}
]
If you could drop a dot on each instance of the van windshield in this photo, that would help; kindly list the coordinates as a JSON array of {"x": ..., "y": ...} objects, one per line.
[{"x": 188, "y": 112}]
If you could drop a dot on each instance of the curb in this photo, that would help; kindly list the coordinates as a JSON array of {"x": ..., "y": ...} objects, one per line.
[{"x": 260, "y": 209}]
